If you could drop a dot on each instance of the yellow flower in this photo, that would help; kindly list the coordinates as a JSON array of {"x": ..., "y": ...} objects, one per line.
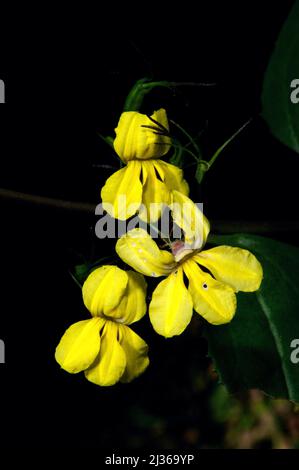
[
  {"x": 213, "y": 275},
  {"x": 104, "y": 346},
  {"x": 140, "y": 142}
]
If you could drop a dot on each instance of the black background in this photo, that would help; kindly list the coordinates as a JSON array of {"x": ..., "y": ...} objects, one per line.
[{"x": 66, "y": 80}]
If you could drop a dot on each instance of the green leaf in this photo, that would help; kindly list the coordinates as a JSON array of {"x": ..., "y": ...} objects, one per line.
[
  {"x": 281, "y": 114},
  {"x": 254, "y": 350}
]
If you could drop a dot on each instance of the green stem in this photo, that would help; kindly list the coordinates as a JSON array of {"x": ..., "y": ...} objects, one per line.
[
  {"x": 144, "y": 86},
  {"x": 191, "y": 140},
  {"x": 100, "y": 261},
  {"x": 217, "y": 153},
  {"x": 184, "y": 149},
  {"x": 229, "y": 226},
  {"x": 108, "y": 139},
  {"x": 75, "y": 280}
]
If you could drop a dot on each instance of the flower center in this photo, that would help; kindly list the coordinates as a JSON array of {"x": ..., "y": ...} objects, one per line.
[{"x": 180, "y": 250}]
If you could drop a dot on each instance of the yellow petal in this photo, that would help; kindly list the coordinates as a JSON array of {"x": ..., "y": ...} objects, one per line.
[
  {"x": 110, "y": 363},
  {"x": 214, "y": 301},
  {"x": 190, "y": 219},
  {"x": 234, "y": 266},
  {"x": 136, "y": 351},
  {"x": 133, "y": 305},
  {"x": 160, "y": 116},
  {"x": 134, "y": 141},
  {"x": 171, "y": 307},
  {"x": 173, "y": 177},
  {"x": 103, "y": 289},
  {"x": 140, "y": 251},
  {"x": 79, "y": 345},
  {"x": 155, "y": 194},
  {"x": 122, "y": 193}
]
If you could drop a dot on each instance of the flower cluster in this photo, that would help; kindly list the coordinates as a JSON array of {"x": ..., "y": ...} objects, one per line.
[{"x": 206, "y": 281}]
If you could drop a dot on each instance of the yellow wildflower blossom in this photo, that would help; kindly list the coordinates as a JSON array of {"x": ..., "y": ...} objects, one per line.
[
  {"x": 213, "y": 276},
  {"x": 104, "y": 346},
  {"x": 144, "y": 185}
]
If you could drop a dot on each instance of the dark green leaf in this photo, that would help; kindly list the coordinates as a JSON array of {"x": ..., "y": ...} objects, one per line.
[
  {"x": 281, "y": 114},
  {"x": 253, "y": 351}
]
